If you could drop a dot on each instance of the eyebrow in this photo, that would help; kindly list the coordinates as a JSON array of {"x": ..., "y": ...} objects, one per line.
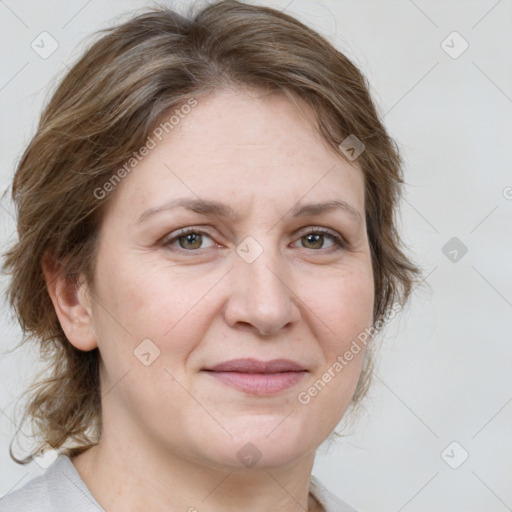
[{"x": 218, "y": 209}]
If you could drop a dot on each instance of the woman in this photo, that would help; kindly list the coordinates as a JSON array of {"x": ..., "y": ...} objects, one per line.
[{"x": 206, "y": 247}]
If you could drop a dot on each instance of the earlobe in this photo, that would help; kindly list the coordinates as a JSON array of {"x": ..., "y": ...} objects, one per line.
[{"x": 71, "y": 301}]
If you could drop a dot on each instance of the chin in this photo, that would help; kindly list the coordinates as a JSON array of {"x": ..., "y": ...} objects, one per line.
[{"x": 262, "y": 443}]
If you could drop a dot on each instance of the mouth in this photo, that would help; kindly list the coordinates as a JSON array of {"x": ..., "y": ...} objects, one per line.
[{"x": 258, "y": 377}]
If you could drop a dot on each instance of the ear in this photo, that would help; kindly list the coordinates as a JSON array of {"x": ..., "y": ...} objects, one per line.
[{"x": 72, "y": 304}]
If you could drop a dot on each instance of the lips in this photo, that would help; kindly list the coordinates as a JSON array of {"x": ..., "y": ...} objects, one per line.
[
  {"x": 258, "y": 377},
  {"x": 256, "y": 366}
]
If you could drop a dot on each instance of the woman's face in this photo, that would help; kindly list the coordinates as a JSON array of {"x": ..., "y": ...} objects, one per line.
[{"x": 252, "y": 280}]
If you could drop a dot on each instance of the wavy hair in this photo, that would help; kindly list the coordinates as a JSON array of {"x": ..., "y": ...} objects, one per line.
[{"x": 104, "y": 109}]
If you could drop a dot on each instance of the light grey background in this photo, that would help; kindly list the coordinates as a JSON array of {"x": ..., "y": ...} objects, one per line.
[{"x": 445, "y": 366}]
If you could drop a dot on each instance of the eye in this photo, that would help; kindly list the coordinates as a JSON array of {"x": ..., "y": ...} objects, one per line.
[
  {"x": 314, "y": 239},
  {"x": 189, "y": 239}
]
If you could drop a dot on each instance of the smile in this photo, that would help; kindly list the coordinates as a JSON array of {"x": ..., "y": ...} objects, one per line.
[{"x": 259, "y": 383}]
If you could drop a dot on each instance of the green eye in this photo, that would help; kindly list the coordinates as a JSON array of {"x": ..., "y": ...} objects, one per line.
[
  {"x": 317, "y": 237},
  {"x": 188, "y": 239},
  {"x": 191, "y": 240}
]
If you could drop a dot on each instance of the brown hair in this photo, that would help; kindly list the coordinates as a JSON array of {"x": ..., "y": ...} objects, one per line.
[{"x": 104, "y": 110}]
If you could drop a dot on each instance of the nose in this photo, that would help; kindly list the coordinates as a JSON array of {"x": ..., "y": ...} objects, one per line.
[{"x": 262, "y": 295}]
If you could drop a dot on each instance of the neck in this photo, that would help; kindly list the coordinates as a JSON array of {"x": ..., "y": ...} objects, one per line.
[{"x": 145, "y": 478}]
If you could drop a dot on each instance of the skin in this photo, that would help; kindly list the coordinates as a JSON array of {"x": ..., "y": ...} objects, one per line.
[{"x": 171, "y": 432}]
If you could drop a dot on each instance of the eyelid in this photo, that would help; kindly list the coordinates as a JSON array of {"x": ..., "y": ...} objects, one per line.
[
  {"x": 336, "y": 237},
  {"x": 175, "y": 235},
  {"x": 319, "y": 229}
]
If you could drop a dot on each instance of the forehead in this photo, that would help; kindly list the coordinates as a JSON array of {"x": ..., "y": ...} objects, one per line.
[{"x": 243, "y": 146}]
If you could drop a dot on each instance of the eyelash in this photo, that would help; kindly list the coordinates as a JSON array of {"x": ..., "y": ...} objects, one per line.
[{"x": 339, "y": 242}]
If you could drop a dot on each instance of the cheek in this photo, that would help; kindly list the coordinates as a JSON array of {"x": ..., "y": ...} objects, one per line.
[
  {"x": 133, "y": 290},
  {"x": 344, "y": 305},
  {"x": 144, "y": 298},
  {"x": 144, "y": 333},
  {"x": 343, "y": 313}
]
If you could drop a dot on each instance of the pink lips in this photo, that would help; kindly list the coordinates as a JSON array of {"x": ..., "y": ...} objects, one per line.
[{"x": 258, "y": 377}]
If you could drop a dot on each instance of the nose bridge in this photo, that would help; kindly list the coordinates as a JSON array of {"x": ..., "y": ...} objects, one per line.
[{"x": 261, "y": 296}]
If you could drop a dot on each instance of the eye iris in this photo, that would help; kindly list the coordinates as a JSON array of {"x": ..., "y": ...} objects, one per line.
[
  {"x": 318, "y": 238},
  {"x": 194, "y": 238}
]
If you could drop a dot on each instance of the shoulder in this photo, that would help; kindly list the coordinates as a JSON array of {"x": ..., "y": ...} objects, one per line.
[
  {"x": 31, "y": 497},
  {"x": 329, "y": 501},
  {"x": 59, "y": 488}
]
